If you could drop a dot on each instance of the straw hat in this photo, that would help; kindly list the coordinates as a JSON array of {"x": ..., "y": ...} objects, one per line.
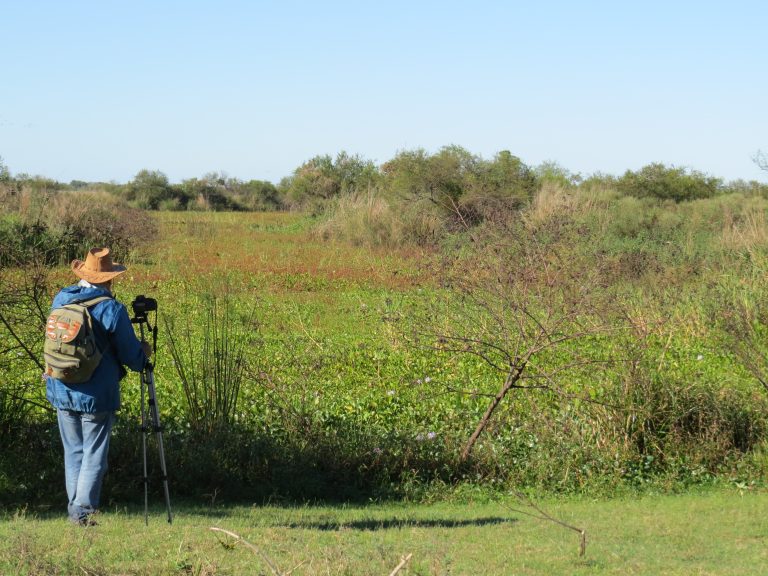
[{"x": 98, "y": 266}]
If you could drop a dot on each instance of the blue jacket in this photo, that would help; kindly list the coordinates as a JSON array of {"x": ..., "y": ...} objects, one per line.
[{"x": 122, "y": 348}]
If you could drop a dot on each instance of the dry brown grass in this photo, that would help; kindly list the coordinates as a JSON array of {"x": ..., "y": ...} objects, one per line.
[
  {"x": 745, "y": 231},
  {"x": 553, "y": 200},
  {"x": 369, "y": 219}
]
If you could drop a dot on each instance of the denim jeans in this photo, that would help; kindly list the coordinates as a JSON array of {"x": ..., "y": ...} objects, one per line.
[{"x": 86, "y": 443}]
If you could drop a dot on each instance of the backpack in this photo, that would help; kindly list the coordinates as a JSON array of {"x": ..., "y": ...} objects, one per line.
[{"x": 70, "y": 350}]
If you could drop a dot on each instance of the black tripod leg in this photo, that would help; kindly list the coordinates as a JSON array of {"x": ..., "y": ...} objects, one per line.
[
  {"x": 158, "y": 429},
  {"x": 144, "y": 432}
]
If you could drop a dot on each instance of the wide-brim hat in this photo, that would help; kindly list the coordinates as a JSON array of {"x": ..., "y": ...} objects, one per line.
[{"x": 98, "y": 266}]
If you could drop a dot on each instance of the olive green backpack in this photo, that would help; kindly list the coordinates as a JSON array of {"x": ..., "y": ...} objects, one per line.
[{"x": 70, "y": 351}]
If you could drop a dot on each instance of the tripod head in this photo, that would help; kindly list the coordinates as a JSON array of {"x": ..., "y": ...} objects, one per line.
[{"x": 141, "y": 306}]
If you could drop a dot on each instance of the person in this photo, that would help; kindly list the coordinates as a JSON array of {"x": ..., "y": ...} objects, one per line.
[{"x": 86, "y": 412}]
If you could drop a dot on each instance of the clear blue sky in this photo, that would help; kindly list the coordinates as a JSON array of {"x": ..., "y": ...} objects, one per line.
[{"x": 100, "y": 90}]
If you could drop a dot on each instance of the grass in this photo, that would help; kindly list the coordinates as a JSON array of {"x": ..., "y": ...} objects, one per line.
[
  {"x": 269, "y": 251},
  {"x": 717, "y": 532},
  {"x": 331, "y": 295}
]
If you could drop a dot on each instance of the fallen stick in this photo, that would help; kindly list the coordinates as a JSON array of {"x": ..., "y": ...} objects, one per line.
[
  {"x": 266, "y": 559},
  {"x": 400, "y": 566},
  {"x": 544, "y": 516}
]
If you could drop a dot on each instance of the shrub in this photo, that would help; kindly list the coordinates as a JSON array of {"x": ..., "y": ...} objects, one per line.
[
  {"x": 322, "y": 178},
  {"x": 148, "y": 189},
  {"x": 21, "y": 243},
  {"x": 259, "y": 195},
  {"x": 668, "y": 183},
  {"x": 56, "y": 227},
  {"x": 498, "y": 185},
  {"x": 212, "y": 192},
  {"x": 440, "y": 179},
  {"x": 87, "y": 219}
]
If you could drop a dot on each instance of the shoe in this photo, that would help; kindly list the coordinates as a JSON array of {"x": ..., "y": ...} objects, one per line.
[{"x": 87, "y": 520}]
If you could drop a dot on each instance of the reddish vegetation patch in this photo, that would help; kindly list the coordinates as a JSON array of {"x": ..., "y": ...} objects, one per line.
[
  {"x": 240, "y": 244},
  {"x": 196, "y": 245}
]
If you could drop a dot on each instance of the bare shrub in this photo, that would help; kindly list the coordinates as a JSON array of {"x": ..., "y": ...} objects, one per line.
[
  {"x": 54, "y": 227},
  {"x": 521, "y": 308},
  {"x": 742, "y": 316},
  {"x": 24, "y": 302},
  {"x": 98, "y": 219}
]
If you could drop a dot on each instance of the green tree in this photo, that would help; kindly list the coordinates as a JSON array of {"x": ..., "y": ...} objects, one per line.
[
  {"x": 551, "y": 171},
  {"x": 658, "y": 181},
  {"x": 441, "y": 178},
  {"x": 497, "y": 186},
  {"x": 259, "y": 195},
  {"x": 148, "y": 189},
  {"x": 463, "y": 187},
  {"x": 207, "y": 193},
  {"x": 323, "y": 178}
]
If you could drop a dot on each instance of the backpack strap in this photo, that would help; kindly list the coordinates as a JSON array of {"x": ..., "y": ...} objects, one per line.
[{"x": 88, "y": 302}]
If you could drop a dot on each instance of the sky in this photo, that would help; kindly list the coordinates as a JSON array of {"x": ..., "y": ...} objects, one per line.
[{"x": 99, "y": 90}]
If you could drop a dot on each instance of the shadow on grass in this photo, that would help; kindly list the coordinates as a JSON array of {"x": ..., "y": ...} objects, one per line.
[{"x": 390, "y": 523}]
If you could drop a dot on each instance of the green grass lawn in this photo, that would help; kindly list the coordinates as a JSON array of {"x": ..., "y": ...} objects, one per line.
[{"x": 703, "y": 533}]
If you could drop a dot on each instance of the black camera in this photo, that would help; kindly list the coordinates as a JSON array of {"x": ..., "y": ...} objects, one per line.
[{"x": 141, "y": 305}]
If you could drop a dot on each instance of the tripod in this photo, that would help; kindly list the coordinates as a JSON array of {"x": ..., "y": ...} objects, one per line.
[{"x": 147, "y": 377}]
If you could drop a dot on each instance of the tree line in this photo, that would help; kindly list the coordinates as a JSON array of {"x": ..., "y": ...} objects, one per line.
[{"x": 452, "y": 179}]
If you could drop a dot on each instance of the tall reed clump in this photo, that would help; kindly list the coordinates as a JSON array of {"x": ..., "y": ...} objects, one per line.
[
  {"x": 212, "y": 442},
  {"x": 209, "y": 356},
  {"x": 745, "y": 229},
  {"x": 368, "y": 219}
]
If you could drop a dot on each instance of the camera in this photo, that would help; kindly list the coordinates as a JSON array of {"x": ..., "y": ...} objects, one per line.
[{"x": 141, "y": 305}]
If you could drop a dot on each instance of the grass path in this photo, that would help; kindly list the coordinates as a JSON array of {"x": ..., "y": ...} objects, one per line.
[{"x": 723, "y": 533}]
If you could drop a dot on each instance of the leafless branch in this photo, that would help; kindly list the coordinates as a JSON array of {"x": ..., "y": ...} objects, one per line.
[
  {"x": 30, "y": 354},
  {"x": 761, "y": 159}
]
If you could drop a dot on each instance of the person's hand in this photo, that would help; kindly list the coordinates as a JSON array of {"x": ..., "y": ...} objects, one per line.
[{"x": 147, "y": 347}]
